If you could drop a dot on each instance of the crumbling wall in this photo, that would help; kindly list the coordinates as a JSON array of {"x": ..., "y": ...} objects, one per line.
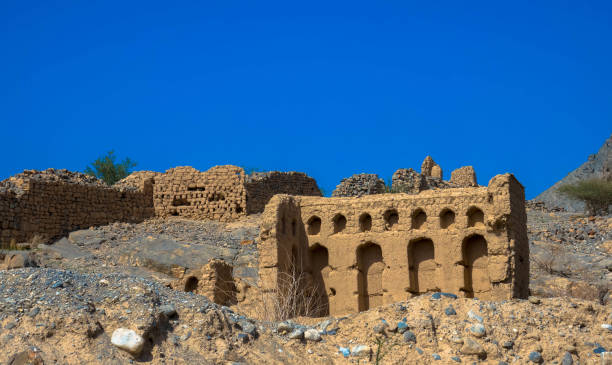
[
  {"x": 430, "y": 168},
  {"x": 359, "y": 185},
  {"x": 214, "y": 280},
  {"x": 261, "y": 186},
  {"x": 51, "y": 203},
  {"x": 411, "y": 182},
  {"x": 464, "y": 177},
  {"x": 380, "y": 249},
  {"x": 217, "y": 194},
  {"x": 9, "y": 219}
]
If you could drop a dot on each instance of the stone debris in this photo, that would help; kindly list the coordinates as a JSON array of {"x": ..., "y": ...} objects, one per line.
[
  {"x": 128, "y": 340},
  {"x": 312, "y": 334},
  {"x": 360, "y": 185}
]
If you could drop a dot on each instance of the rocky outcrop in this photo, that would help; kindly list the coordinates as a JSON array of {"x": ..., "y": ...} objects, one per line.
[
  {"x": 597, "y": 166},
  {"x": 359, "y": 185}
]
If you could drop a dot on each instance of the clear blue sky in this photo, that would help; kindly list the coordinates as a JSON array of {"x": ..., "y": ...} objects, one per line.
[{"x": 328, "y": 88}]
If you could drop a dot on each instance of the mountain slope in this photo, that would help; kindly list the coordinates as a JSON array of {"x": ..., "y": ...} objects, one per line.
[{"x": 597, "y": 166}]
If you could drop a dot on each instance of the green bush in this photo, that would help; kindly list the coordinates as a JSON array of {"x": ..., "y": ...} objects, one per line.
[
  {"x": 106, "y": 169},
  {"x": 595, "y": 193}
]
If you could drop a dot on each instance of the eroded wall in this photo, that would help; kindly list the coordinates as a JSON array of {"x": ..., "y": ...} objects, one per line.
[
  {"x": 262, "y": 186},
  {"x": 381, "y": 249},
  {"x": 51, "y": 203},
  {"x": 217, "y": 194}
]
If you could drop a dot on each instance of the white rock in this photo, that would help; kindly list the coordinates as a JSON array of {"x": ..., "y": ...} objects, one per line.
[
  {"x": 361, "y": 350},
  {"x": 606, "y": 326},
  {"x": 127, "y": 340},
  {"x": 312, "y": 335}
]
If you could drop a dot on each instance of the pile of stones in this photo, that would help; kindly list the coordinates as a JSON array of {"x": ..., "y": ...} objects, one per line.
[{"x": 359, "y": 185}]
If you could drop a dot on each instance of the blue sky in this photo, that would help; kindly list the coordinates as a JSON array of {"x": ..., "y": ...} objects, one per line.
[{"x": 328, "y": 88}]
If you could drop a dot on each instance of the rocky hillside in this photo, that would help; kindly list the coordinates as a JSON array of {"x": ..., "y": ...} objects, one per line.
[{"x": 597, "y": 166}]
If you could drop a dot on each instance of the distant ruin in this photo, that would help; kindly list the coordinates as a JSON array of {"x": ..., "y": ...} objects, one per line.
[
  {"x": 51, "y": 203},
  {"x": 407, "y": 181},
  {"x": 363, "y": 252}
]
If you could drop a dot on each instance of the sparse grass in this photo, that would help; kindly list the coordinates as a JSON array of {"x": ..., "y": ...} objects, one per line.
[
  {"x": 595, "y": 193},
  {"x": 552, "y": 261},
  {"x": 382, "y": 348},
  {"x": 296, "y": 295}
]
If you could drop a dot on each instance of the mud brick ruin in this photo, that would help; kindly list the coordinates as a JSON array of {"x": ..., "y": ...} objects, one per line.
[
  {"x": 51, "y": 203},
  {"x": 223, "y": 193},
  {"x": 359, "y": 253}
]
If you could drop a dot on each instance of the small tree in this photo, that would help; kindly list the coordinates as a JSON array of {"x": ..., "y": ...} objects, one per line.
[
  {"x": 595, "y": 193},
  {"x": 106, "y": 169}
]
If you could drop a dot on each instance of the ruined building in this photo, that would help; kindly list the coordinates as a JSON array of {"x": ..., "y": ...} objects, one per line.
[
  {"x": 54, "y": 202},
  {"x": 359, "y": 253},
  {"x": 407, "y": 181}
]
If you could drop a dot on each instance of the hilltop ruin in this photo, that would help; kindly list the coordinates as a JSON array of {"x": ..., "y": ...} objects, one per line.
[
  {"x": 53, "y": 202},
  {"x": 359, "y": 253}
]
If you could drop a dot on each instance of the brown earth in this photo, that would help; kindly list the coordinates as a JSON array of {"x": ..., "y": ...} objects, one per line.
[{"x": 97, "y": 280}]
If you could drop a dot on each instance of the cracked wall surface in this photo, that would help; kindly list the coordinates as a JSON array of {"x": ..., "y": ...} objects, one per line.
[{"x": 379, "y": 249}]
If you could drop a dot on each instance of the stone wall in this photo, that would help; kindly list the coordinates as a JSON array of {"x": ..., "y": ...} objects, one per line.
[
  {"x": 380, "y": 249},
  {"x": 464, "y": 177},
  {"x": 217, "y": 194},
  {"x": 261, "y": 186},
  {"x": 51, "y": 203},
  {"x": 359, "y": 185},
  {"x": 224, "y": 192}
]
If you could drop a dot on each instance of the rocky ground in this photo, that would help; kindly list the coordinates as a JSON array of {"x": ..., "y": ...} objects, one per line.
[
  {"x": 96, "y": 281},
  {"x": 571, "y": 255}
]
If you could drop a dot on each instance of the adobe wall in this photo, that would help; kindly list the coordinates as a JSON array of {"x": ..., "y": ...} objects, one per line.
[
  {"x": 217, "y": 194},
  {"x": 379, "y": 249},
  {"x": 223, "y": 193},
  {"x": 51, "y": 203},
  {"x": 262, "y": 186}
]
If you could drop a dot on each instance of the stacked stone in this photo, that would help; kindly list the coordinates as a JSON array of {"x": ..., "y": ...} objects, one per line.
[
  {"x": 262, "y": 186},
  {"x": 430, "y": 168},
  {"x": 411, "y": 182},
  {"x": 464, "y": 177},
  {"x": 408, "y": 181},
  {"x": 359, "y": 185},
  {"x": 53, "y": 202},
  {"x": 217, "y": 194},
  {"x": 138, "y": 179}
]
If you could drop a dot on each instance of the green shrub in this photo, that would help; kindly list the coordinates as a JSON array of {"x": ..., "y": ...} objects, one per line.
[
  {"x": 106, "y": 169},
  {"x": 595, "y": 193}
]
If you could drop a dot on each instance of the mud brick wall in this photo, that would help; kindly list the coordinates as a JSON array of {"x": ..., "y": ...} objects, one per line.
[
  {"x": 51, "y": 203},
  {"x": 223, "y": 193},
  {"x": 380, "y": 249},
  {"x": 217, "y": 194},
  {"x": 262, "y": 186},
  {"x": 464, "y": 176},
  {"x": 9, "y": 227}
]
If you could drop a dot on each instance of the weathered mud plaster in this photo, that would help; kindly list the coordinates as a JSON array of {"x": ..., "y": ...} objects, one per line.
[{"x": 379, "y": 249}]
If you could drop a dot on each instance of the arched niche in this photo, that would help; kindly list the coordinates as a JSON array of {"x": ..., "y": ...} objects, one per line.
[
  {"x": 422, "y": 266},
  {"x": 369, "y": 280},
  {"x": 475, "y": 259},
  {"x": 319, "y": 269},
  {"x": 475, "y": 217}
]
